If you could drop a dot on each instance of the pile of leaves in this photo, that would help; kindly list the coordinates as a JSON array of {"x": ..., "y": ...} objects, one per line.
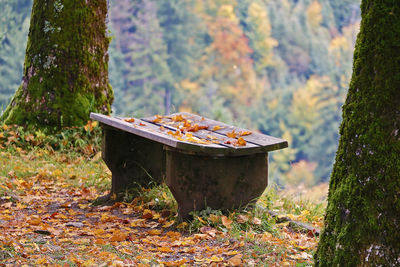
[
  {"x": 48, "y": 216},
  {"x": 85, "y": 140}
]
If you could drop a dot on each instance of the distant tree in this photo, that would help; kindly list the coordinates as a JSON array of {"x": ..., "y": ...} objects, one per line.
[
  {"x": 184, "y": 33},
  {"x": 14, "y": 26},
  {"x": 363, "y": 214},
  {"x": 148, "y": 75},
  {"x": 345, "y": 12},
  {"x": 66, "y": 65}
]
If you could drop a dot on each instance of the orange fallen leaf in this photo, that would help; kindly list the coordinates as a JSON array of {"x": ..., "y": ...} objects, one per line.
[
  {"x": 226, "y": 222},
  {"x": 232, "y": 134},
  {"x": 34, "y": 220},
  {"x": 142, "y": 124},
  {"x": 240, "y": 142},
  {"x": 235, "y": 260},
  {"x": 154, "y": 232},
  {"x": 196, "y": 128},
  {"x": 165, "y": 249},
  {"x": 147, "y": 214},
  {"x": 186, "y": 124},
  {"x": 129, "y": 120},
  {"x": 118, "y": 236},
  {"x": 177, "y": 118}
]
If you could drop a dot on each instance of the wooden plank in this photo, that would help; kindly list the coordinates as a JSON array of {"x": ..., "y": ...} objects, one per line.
[
  {"x": 135, "y": 128},
  {"x": 153, "y": 132},
  {"x": 268, "y": 142},
  {"x": 206, "y": 134}
]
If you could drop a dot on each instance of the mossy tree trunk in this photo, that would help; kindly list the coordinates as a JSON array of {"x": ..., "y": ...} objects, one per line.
[
  {"x": 66, "y": 65},
  {"x": 362, "y": 221}
]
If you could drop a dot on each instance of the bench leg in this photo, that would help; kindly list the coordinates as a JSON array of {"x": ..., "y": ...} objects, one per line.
[
  {"x": 133, "y": 160},
  {"x": 198, "y": 181}
]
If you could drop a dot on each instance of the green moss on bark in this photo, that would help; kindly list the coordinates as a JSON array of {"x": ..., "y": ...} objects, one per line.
[
  {"x": 362, "y": 220},
  {"x": 66, "y": 65}
]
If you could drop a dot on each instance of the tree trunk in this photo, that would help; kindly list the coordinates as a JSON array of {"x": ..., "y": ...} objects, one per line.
[
  {"x": 66, "y": 65},
  {"x": 362, "y": 220}
]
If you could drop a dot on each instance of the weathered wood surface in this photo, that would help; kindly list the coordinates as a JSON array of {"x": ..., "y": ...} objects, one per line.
[{"x": 160, "y": 129}]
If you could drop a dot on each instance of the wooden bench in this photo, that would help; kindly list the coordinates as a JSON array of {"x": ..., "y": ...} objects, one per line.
[{"x": 204, "y": 162}]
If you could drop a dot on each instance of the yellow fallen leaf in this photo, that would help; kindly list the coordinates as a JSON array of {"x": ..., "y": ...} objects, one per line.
[
  {"x": 177, "y": 118},
  {"x": 168, "y": 224},
  {"x": 182, "y": 225},
  {"x": 41, "y": 260},
  {"x": 98, "y": 231},
  {"x": 216, "y": 128},
  {"x": 216, "y": 259},
  {"x": 201, "y": 220},
  {"x": 244, "y": 133},
  {"x": 214, "y": 218}
]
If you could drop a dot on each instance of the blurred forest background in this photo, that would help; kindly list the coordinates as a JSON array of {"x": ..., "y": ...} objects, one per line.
[{"x": 280, "y": 67}]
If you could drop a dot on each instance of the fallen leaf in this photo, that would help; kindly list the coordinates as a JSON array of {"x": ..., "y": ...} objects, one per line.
[
  {"x": 226, "y": 222},
  {"x": 232, "y": 134},
  {"x": 242, "y": 218},
  {"x": 34, "y": 220},
  {"x": 147, "y": 214},
  {"x": 216, "y": 259},
  {"x": 165, "y": 249},
  {"x": 256, "y": 221},
  {"x": 129, "y": 120},
  {"x": 154, "y": 232},
  {"x": 119, "y": 236},
  {"x": 235, "y": 260},
  {"x": 240, "y": 142},
  {"x": 196, "y": 128},
  {"x": 244, "y": 133},
  {"x": 177, "y": 118},
  {"x": 41, "y": 261}
]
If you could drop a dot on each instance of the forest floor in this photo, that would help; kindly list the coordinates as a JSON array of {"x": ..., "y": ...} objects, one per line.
[{"x": 48, "y": 216}]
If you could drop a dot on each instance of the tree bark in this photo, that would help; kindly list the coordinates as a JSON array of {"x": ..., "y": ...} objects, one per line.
[
  {"x": 66, "y": 65},
  {"x": 362, "y": 220}
]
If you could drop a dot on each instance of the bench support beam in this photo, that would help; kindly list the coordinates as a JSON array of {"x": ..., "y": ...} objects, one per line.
[
  {"x": 133, "y": 160},
  {"x": 227, "y": 182}
]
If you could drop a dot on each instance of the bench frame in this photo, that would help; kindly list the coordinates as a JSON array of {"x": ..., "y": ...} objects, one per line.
[{"x": 198, "y": 176}]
